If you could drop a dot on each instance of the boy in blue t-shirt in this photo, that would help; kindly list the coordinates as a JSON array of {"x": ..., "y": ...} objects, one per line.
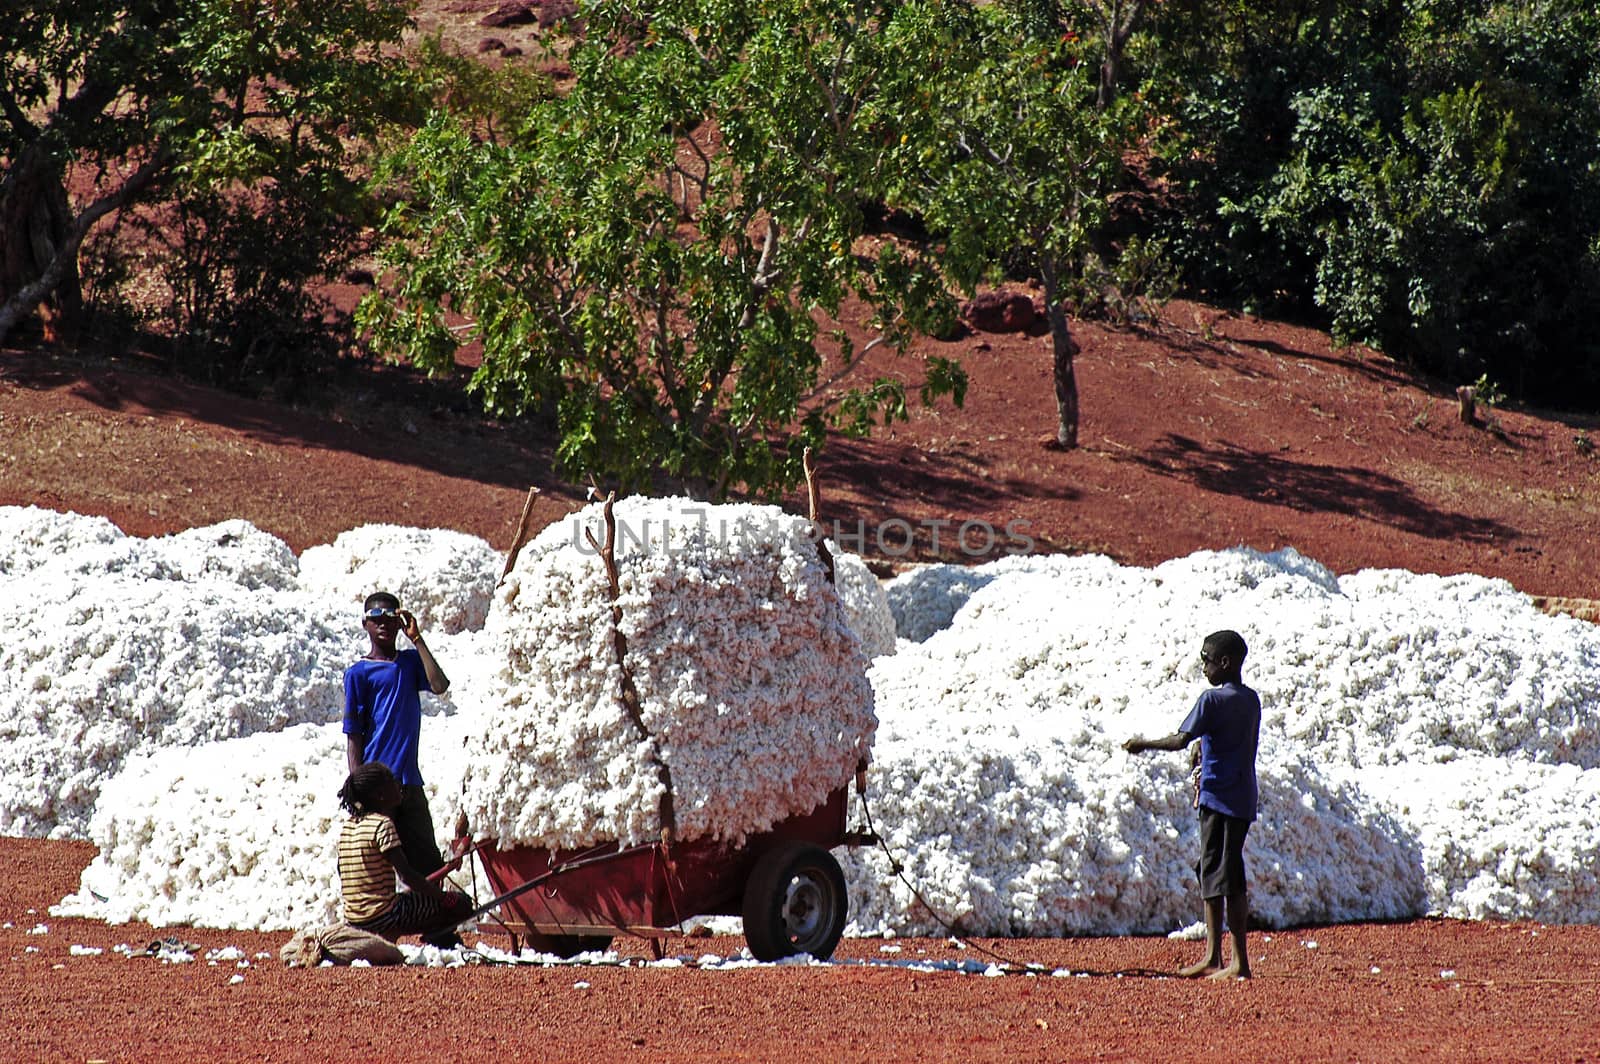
[
  {"x": 1227, "y": 721},
  {"x": 383, "y": 717}
]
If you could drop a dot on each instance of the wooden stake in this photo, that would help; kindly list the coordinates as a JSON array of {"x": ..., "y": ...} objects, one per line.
[
  {"x": 632, "y": 704},
  {"x": 520, "y": 540},
  {"x": 817, "y": 532}
]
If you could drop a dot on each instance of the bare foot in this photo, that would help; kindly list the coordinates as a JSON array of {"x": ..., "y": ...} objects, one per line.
[
  {"x": 1232, "y": 971},
  {"x": 1195, "y": 971}
]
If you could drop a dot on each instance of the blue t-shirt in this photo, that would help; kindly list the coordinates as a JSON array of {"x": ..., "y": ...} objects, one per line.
[
  {"x": 1227, "y": 721},
  {"x": 381, "y": 702}
]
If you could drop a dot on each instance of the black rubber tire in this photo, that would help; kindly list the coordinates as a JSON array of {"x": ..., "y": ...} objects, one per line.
[
  {"x": 565, "y": 946},
  {"x": 794, "y": 902}
]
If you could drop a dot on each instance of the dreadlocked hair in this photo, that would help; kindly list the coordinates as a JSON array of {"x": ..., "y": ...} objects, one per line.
[{"x": 363, "y": 785}]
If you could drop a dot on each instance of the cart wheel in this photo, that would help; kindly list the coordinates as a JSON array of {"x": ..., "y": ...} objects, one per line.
[
  {"x": 794, "y": 902},
  {"x": 565, "y": 946}
]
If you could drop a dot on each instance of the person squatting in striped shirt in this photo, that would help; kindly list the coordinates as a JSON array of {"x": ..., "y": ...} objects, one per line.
[{"x": 371, "y": 856}]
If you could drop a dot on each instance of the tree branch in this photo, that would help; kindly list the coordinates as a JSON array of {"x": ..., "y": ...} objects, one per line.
[
  {"x": 23, "y": 302},
  {"x": 15, "y": 115},
  {"x": 765, "y": 275}
]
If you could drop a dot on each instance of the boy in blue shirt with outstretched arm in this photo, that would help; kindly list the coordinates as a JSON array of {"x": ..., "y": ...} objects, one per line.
[{"x": 1227, "y": 721}]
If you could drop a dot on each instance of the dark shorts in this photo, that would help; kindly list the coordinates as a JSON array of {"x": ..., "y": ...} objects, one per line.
[
  {"x": 413, "y": 914},
  {"x": 1221, "y": 865}
]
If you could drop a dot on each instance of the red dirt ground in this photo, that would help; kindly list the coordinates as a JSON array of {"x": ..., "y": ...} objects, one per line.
[
  {"x": 1363, "y": 993},
  {"x": 1204, "y": 430}
]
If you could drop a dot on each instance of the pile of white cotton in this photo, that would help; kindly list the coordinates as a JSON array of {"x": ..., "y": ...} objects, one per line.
[
  {"x": 1429, "y": 745},
  {"x": 446, "y": 578},
  {"x": 242, "y": 833},
  {"x": 1000, "y": 778},
  {"x": 752, "y": 689},
  {"x": 866, "y": 604},
  {"x": 117, "y": 645},
  {"x": 926, "y": 599}
]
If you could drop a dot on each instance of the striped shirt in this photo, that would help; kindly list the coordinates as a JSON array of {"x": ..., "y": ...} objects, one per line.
[{"x": 366, "y": 878}]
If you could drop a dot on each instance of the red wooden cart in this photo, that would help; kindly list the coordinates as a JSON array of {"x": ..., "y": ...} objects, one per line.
[{"x": 785, "y": 884}]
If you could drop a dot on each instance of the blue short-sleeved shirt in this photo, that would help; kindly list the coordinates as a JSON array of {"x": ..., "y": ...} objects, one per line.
[
  {"x": 382, "y": 703},
  {"x": 1227, "y": 721}
]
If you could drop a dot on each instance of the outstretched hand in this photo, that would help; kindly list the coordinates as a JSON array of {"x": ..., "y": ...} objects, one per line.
[{"x": 1174, "y": 742}]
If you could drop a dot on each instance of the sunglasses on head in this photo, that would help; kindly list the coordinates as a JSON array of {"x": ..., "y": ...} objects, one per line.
[
  {"x": 379, "y": 613},
  {"x": 1208, "y": 659}
]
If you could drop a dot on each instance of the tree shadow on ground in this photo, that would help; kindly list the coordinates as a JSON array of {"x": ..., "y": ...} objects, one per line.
[
  {"x": 1214, "y": 353},
  {"x": 371, "y": 412},
  {"x": 1279, "y": 481},
  {"x": 957, "y": 480},
  {"x": 1214, "y": 350},
  {"x": 895, "y": 492}
]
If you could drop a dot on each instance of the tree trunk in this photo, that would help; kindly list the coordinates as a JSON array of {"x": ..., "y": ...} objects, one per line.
[
  {"x": 1120, "y": 23},
  {"x": 36, "y": 224},
  {"x": 60, "y": 271},
  {"x": 1066, "y": 380},
  {"x": 1063, "y": 350},
  {"x": 1110, "y": 74}
]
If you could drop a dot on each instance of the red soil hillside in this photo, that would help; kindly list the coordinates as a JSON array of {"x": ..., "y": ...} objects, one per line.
[{"x": 1205, "y": 430}]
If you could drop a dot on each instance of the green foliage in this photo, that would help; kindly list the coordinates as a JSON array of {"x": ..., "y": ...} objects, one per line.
[
  {"x": 236, "y": 265},
  {"x": 647, "y": 258},
  {"x": 236, "y": 125},
  {"x": 1006, "y": 156},
  {"x": 1487, "y": 392},
  {"x": 1426, "y": 174},
  {"x": 1006, "y": 153},
  {"x": 1128, "y": 288}
]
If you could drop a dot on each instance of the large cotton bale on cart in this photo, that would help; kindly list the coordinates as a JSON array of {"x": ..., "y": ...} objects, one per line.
[{"x": 680, "y": 711}]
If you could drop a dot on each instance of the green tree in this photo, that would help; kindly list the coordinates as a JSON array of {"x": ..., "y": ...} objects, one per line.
[
  {"x": 1111, "y": 24},
  {"x": 103, "y": 106},
  {"x": 1009, "y": 157},
  {"x": 653, "y": 257},
  {"x": 1423, "y": 175}
]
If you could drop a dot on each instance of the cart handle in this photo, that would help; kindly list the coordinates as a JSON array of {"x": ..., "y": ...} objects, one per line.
[
  {"x": 456, "y": 860},
  {"x": 544, "y": 877}
]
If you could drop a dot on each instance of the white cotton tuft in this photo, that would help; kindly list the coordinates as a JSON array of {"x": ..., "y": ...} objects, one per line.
[{"x": 866, "y": 605}]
